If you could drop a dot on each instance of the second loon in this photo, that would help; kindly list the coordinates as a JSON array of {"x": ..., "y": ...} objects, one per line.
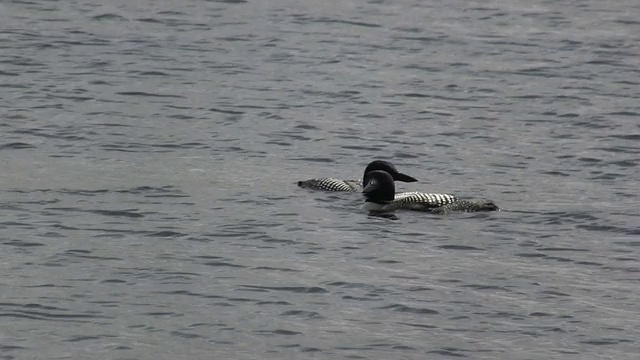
[
  {"x": 379, "y": 189},
  {"x": 331, "y": 184}
]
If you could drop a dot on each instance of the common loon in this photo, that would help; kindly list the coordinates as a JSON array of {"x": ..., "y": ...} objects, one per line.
[
  {"x": 379, "y": 189},
  {"x": 331, "y": 184}
]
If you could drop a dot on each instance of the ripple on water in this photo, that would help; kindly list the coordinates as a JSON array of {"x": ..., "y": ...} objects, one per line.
[{"x": 34, "y": 311}]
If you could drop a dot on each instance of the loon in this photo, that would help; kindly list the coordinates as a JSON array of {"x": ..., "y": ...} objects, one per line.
[
  {"x": 331, "y": 184},
  {"x": 379, "y": 189}
]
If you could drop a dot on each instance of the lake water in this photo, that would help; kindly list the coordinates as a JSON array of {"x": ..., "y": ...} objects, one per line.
[{"x": 150, "y": 150}]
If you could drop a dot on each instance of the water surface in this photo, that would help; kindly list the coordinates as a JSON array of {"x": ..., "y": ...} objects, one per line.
[{"x": 150, "y": 151}]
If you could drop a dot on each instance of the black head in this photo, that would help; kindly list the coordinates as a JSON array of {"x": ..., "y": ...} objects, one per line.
[
  {"x": 379, "y": 187},
  {"x": 389, "y": 168}
]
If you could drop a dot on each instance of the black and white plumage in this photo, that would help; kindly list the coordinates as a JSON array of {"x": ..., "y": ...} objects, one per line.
[
  {"x": 379, "y": 190},
  {"x": 423, "y": 201},
  {"x": 331, "y": 184},
  {"x": 471, "y": 205}
]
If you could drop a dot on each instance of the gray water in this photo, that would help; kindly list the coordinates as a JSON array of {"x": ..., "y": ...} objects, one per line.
[{"x": 150, "y": 150}]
